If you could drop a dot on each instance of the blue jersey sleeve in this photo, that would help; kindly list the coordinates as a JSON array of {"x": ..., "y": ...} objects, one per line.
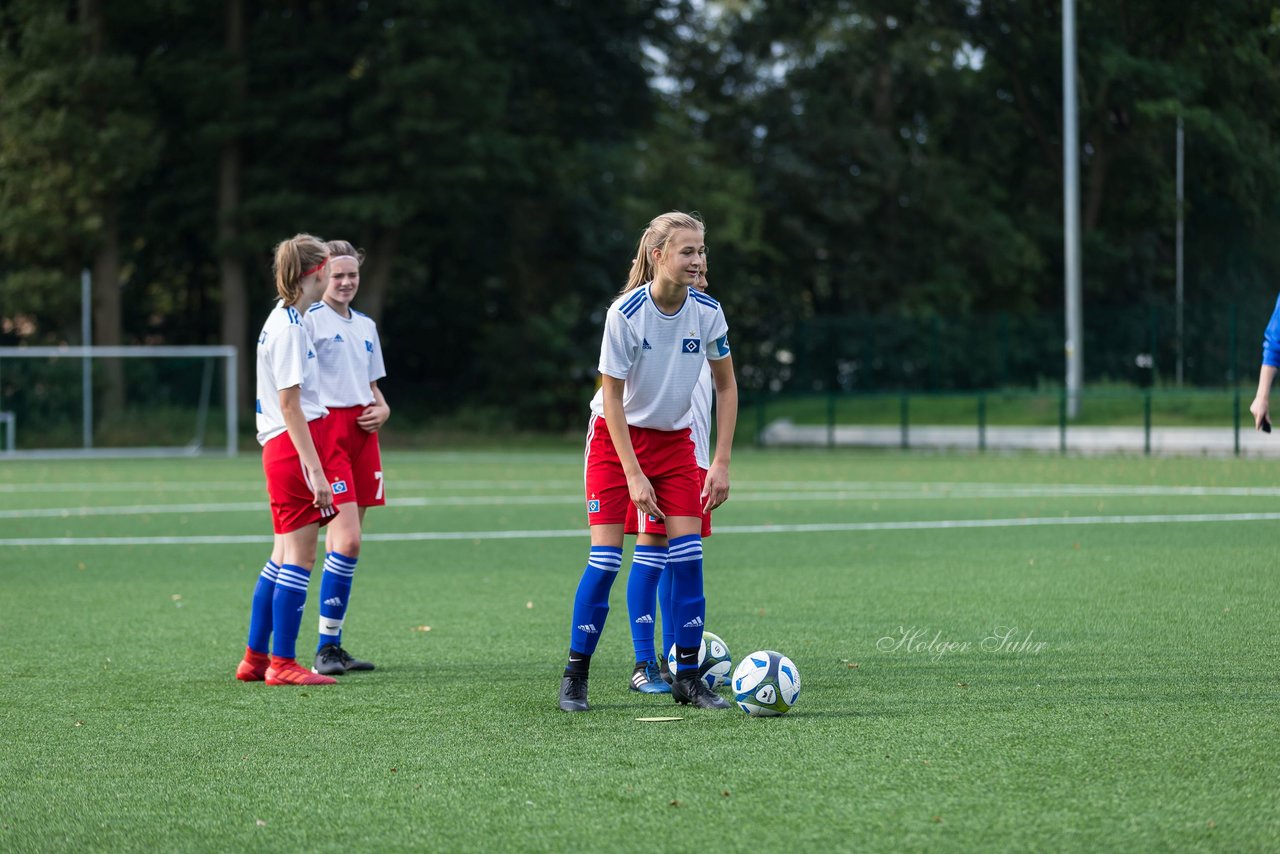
[{"x": 1271, "y": 339}]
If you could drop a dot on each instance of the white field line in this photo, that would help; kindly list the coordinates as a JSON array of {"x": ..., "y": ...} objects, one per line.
[
  {"x": 959, "y": 492},
  {"x": 258, "y": 486},
  {"x": 816, "y": 528},
  {"x": 874, "y": 488}
]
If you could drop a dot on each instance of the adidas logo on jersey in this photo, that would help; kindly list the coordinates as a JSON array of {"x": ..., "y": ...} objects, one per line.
[
  {"x": 645, "y": 345},
  {"x": 368, "y": 345},
  {"x": 695, "y": 623},
  {"x": 589, "y": 628},
  {"x": 645, "y": 620},
  {"x": 333, "y": 601},
  {"x": 310, "y": 354},
  {"x": 338, "y": 337}
]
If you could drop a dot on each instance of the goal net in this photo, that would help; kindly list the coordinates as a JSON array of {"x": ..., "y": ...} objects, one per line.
[{"x": 117, "y": 401}]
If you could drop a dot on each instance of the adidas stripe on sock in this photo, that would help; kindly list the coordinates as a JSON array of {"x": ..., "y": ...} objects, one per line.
[
  {"x": 591, "y": 602},
  {"x": 689, "y": 604},
  {"x": 260, "y": 611},
  {"x": 335, "y": 595},
  {"x": 666, "y": 603},
  {"x": 287, "y": 604},
  {"x": 647, "y": 565}
]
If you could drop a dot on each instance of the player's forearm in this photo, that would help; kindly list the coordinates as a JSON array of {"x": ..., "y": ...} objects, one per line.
[
  {"x": 1266, "y": 376},
  {"x": 295, "y": 424},
  {"x": 616, "y": 419},
  {"x": 726, "y": 422}
]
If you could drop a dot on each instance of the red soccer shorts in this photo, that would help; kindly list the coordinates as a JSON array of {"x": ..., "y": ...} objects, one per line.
[
  {"x": 667, "y": 460},
  {"x": 643, "y": 523},
  {"x": 360, "y": 457},
  {"x": 289, "y": 486}
]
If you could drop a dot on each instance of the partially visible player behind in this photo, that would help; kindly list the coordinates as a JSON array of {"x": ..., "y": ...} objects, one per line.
[
  {"x": 296, "y": 454},
  {"x": 1261, "y": 406},
  {"x": 350, "y": 364},
  {"x": 649, "y": 575}
]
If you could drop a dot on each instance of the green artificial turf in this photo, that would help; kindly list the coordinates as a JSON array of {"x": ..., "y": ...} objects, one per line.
[{"x": 1132, "y": 706}]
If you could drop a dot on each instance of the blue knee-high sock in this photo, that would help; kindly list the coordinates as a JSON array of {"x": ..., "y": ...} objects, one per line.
[
  {"x": 685, "y": 560},
  {"x": 642, "y": 587},
  {"x": 668, "y": 607},
  {"x": 591, "y": 604},
  {"x": 286, "y": 609},
  {"x": 335, "y": 595},
  {"x": 260, "y": 610}
]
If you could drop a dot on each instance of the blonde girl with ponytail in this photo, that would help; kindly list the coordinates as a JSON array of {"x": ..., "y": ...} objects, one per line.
[
  {"x": 660, "y": 334},
  {"x": 295, "y": 448}
]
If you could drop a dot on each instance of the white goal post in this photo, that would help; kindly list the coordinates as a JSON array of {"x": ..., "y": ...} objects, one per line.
[{"x": 12, "y": 421}]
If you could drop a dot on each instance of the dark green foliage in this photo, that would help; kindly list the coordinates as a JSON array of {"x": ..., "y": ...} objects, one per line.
[{"x": 864, "y": 167}]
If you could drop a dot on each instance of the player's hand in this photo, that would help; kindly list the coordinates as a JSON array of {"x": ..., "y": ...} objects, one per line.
[
  {"x": 320, "y": 489},
  {"x": 715, "y": 490},
  {"x": 373, "y": 417},
  {"x": 1261, "y": 411},
  {"x": 643, "y": 496}
]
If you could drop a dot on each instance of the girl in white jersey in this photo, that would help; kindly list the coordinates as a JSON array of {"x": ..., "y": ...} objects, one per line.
[
  {"x": 659, "y": 335},
  {"x": 349, "y": 355},
  {"x": 648, "y": 575},
  {"x": 295, "y": 449}
]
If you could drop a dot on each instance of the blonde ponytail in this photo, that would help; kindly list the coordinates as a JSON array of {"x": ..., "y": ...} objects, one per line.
[{"x": 297, "y": 258}]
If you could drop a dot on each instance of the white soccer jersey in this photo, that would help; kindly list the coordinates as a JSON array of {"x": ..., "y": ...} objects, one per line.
[
  {"x": 700, "y": 411},
  {"x": 660, "y": 356},
  {"x": 349, "y": 354},
  {"x": 286, "y": 358}
]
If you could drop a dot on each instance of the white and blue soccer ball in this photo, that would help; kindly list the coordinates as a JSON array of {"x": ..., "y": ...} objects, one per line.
[
  {"x": 714, "y": 662},
  {"x": 766, "y": 683}
]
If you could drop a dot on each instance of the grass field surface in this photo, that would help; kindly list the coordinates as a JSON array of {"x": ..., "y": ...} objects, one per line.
[{"x": 1004, "y": 653}]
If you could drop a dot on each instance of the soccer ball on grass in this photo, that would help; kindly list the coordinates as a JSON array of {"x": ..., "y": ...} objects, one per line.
[{"x": 766, "y": 683}]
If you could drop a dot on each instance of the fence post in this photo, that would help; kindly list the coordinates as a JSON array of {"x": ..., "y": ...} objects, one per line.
[
  {"x": 1062, "y": 421},
  {"x": 1146, "y": 422},
  {"x": 982, "y": 422},
  {"x": 1235, "y": 380},
  {"x": 1235, "y": 417},
  {"x": 831, "y": 419},
  {"x": 904, "y": 418},
  {"x": 1004, "y": 350}
]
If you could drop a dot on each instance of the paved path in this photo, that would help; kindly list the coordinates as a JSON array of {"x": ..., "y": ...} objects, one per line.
[{"x": 1192, "y": 441}]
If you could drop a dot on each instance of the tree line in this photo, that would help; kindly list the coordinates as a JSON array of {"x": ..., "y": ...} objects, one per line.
[{"x": 858, "y": 162}]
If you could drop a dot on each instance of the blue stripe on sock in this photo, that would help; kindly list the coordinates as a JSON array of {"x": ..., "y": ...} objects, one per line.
[
  {"x": 666, "y": 603},
  {"x": 642, "y": 589},
  {"x": 286, "y": 609},
  {"x": 591, "y": 602},
  {"x": 260, "y": 610},
  {"x": 689, "y": 604},
  {"x": 335, "y": 597}
]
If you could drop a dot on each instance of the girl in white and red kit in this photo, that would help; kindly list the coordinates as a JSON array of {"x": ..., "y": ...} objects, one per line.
[
  {"x": 349, "y": 357},
  {"x": 297, "y": 457},
  {"x": 659, "y": 335}
]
